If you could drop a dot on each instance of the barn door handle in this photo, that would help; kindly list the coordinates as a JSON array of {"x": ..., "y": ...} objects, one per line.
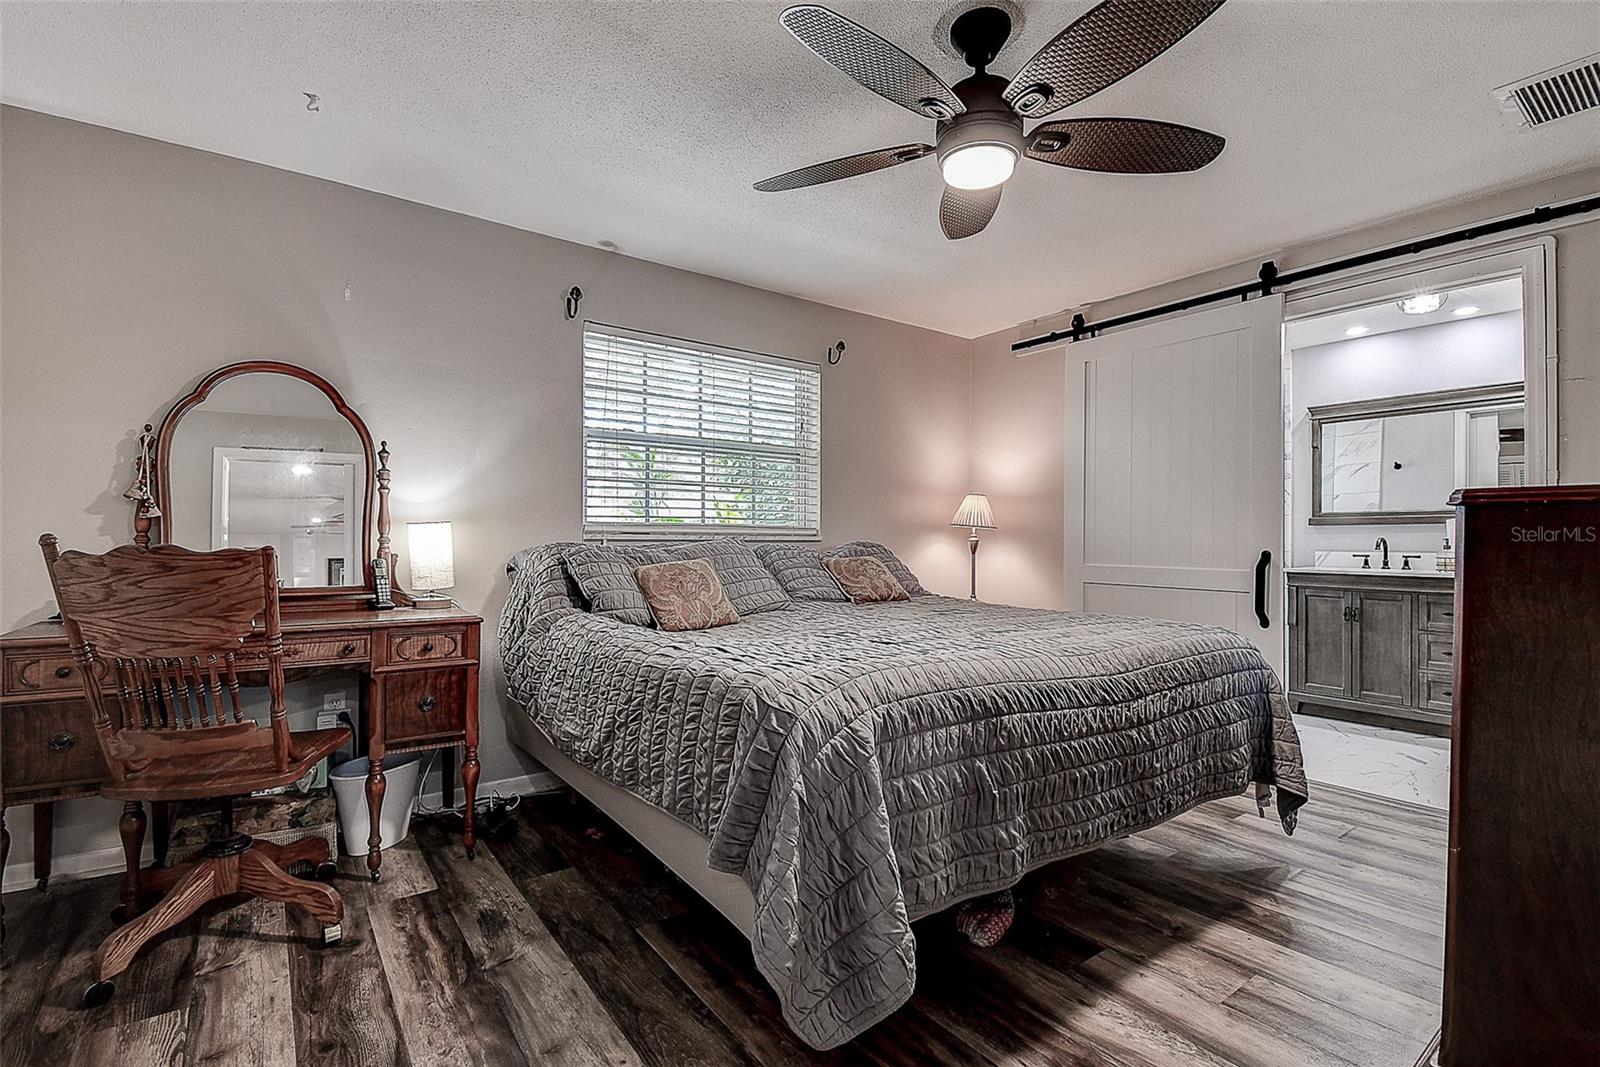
[{"x": 1263, "y": 565}]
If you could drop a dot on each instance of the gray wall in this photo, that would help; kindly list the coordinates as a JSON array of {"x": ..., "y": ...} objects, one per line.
[
  {"x": 133, "y": 267},
  {"x": 1020, "y": 422}
]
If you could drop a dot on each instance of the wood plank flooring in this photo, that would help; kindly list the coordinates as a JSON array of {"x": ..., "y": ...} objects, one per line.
[{"x": 1213, "y": 939}]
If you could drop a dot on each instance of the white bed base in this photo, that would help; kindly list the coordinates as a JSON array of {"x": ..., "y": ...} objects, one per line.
[{"x": 674, "y": 843}]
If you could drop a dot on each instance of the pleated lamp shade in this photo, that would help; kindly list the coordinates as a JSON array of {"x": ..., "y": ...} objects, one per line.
[{"x": 974, "y": 513}]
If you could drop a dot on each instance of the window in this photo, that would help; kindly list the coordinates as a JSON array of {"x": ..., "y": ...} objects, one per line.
[{"x": 684, "y": 436}]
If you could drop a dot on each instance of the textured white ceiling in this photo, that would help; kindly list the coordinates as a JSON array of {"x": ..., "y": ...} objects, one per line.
[{"x": 646, "y": 123}]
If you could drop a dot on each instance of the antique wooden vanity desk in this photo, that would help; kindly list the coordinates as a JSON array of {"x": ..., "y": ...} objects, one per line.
[{"x": 262, "y": 452}]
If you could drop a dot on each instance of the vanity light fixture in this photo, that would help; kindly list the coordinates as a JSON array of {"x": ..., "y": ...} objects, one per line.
[
  {"x": 1422, "y": 303},
  {"x": 1357, "y": 331},
  {"x": 1470, "y": 309}
]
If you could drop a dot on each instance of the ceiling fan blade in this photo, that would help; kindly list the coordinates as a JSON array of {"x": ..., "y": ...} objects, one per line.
[
  {"x": 1123, "y": 146},
  {"x": 872, "y": 61},
  {"x": 964, "y": 212},
  {"x": 848, "y": 167},
  {"x": 1111, "y": 41}
]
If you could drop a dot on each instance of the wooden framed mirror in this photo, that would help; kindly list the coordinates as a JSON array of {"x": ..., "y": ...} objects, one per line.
[{"x": 263, "y": 452}]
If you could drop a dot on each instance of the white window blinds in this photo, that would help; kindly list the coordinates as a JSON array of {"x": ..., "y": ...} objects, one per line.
[{"x": 683, "y": 436}]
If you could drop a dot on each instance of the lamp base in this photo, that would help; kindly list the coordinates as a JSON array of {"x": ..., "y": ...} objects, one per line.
[{"x": 431, "y": 601}]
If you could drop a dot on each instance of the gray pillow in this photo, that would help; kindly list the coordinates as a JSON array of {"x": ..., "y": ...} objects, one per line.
[
  {"x": 605, "y": 574},
  {"x": 799, "y": 570},
  {"x": 748, "y": 583},
  {"x": 901, "y": 572}
]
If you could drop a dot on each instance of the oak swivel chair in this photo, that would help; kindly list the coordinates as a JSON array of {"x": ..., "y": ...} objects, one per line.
[{"x": 171, "y": 625}]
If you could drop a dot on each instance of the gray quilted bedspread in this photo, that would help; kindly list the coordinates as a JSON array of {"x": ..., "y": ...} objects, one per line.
[{"x": 862, "y": 766}]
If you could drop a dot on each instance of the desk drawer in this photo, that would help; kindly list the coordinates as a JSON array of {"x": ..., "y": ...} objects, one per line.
[
  {"x": 322, "y": 651},
  {"x": 36, "y": 672},
  {"x": 50, "y": 744},
  {"x": 424, "y": 704},
  {"x": 421, "y": 646}
]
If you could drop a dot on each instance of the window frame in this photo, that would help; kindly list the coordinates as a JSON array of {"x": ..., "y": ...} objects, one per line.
[{"x": 601, "y": 530}]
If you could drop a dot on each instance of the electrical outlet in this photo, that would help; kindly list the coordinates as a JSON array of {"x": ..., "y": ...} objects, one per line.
[
  {"x": 327, "y": 720},
  {"x": 334, "y": 702}
]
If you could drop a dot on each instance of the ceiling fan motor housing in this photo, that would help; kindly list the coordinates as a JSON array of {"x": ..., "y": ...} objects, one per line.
[{"x": 987, "y": 120}]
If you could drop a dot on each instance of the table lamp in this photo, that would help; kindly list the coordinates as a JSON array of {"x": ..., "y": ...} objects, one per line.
[
  {"x": 975, "y": 515},
  {"x": 433, "y": 563}
]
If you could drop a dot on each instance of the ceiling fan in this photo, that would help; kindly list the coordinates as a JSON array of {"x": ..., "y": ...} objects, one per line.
[{"x": 978, "y": 136}]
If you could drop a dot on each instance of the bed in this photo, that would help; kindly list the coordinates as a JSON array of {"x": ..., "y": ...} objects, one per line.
[{"x": 828, "y": 773}]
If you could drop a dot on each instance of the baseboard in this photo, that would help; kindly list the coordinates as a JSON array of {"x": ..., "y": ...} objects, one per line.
[{"x": 66, "y": 867}]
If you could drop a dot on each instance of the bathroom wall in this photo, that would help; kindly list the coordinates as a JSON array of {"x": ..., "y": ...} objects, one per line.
[{"x": 1447, "y": 355}]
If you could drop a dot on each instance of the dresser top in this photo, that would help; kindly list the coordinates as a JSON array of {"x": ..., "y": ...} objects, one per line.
[{"x": 294, "y": 622}]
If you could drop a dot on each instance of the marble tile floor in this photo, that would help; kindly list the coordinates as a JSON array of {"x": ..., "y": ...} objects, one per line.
[{"x": 1397, "y": 764}]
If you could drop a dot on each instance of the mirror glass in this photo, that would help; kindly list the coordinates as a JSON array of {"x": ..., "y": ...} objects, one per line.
[
  {"x": 1404, "y": 464},
  {"x": 266, "y": 459}
]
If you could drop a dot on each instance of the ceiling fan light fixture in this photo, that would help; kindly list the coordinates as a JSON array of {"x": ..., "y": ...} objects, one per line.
[
  {"x": 978, "y": 166},
  {"x": 980, "y": 151}
]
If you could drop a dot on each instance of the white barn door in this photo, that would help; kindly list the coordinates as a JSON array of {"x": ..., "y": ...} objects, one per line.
[{"x": 1175, "y": 488}]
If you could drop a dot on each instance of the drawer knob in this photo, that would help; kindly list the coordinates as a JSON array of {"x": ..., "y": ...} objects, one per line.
[
  {"x": 427, "y": 704},
  {"x": 63, "y": 672},
  {"x": 427, "y": 646},
  {"x": 62, "y": 741},
  {"x": 347, "y": 649}
]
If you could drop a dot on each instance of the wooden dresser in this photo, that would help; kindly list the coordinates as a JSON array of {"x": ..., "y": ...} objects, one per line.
[
  {"x": 1522, "y": 934},
  {"x": 419, "y": 691}
]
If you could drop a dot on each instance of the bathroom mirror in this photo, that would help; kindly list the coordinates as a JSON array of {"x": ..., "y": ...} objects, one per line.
[
  {"x": 1398, "y": 459},
  {"x": 269, "y": 454}
]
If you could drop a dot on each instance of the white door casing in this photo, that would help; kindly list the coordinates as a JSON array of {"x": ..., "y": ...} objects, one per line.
[{"x": 1175, "y": 484}]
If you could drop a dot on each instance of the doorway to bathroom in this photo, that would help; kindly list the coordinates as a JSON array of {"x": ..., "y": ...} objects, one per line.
[{"x": 1399, "y": 389}]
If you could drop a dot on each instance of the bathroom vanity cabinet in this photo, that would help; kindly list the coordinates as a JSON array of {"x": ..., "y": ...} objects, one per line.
[{"x": 1372, "y": 643}]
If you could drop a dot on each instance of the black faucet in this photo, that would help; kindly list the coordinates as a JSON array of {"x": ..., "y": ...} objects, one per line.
[{"x": 1383, "y": 543}]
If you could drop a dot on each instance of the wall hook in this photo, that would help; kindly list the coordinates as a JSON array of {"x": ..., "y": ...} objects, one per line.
[
  {"x": 835, "y": 353},
  {"x": 574, "y": 297},
  {"x": 313, "y": 101}
]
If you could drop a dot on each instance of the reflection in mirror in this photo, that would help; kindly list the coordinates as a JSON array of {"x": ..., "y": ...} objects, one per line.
[
  {"x": 266, "y": 459},
  {"x": 1403, "y": 464}
]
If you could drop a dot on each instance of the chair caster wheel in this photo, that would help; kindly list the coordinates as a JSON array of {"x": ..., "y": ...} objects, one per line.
[
  {"x": 98, "y": 994},
  {"x": 375, "y": 875},
  {"x": 326, "y": 870},
  {"x": 42, "y": 883},
  {"x": 472, "y": 853},
  {"x": 332, "y": 935}
]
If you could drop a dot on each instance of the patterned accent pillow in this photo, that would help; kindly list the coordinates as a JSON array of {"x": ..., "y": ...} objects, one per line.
[
  {"x": 605, "y": 574},
  {"x": 901, "y": 572},
  {"x": 799, "y": 570},
  {"x": 866, "y": 579},
  {"x": 750, "y": 586},
  {"x": 685, "y": 595}
]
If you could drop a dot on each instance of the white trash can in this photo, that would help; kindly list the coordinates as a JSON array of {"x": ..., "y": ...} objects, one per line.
[{"x": 349, "y": 781}]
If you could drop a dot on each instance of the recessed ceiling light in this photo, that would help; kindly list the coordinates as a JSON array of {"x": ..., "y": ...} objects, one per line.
[
  {"x": 1357, "y": 331},
  {"x": 1470, "y": 309},
  {"x": 1422, "y": 303}
]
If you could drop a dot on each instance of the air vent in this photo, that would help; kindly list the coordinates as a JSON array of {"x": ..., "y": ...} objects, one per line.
[{"x": 1566, "y": 90}]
